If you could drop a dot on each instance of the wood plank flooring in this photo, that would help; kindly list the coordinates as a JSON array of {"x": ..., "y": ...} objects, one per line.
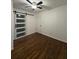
[{"x": 38, "y": 46}]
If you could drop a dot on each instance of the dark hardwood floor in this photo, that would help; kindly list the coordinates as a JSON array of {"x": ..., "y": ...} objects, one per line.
[{"x": 38, "y": 46}]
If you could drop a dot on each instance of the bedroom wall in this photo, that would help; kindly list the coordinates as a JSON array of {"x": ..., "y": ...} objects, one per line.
[
  {"x": 30, "y": 24},
  {"x": 53, "y": 23}
]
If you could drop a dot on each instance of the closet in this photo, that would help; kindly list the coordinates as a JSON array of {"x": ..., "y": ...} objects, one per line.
[{"x": 20, "y": 26}]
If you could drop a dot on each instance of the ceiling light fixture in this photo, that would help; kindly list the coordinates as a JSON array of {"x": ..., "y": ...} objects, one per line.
[{"x": 34, "y": 6}]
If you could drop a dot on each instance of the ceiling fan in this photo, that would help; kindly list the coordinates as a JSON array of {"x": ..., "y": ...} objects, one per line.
[{"x": 35, "y": 5}]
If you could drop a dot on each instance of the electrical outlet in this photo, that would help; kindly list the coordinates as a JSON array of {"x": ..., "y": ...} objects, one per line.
[{"x": 40, "y": 25}]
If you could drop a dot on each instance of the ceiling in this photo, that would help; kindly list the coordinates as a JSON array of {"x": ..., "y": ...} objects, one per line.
[{"x": 49, "y": 4}]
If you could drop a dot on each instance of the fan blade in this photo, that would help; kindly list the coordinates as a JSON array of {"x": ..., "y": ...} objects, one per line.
[
  {"x": 39, "y": 7},
  {"x": 39, "y": 3},
  {"x": 46, "y": 7},
  {"x": 29, "y": 1}
]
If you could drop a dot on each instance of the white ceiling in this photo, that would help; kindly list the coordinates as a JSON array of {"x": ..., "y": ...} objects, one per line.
[{"x": 21, "y": 4}]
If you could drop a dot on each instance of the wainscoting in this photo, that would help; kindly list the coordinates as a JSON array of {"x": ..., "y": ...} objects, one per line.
[{"x": 38, "y": 46}]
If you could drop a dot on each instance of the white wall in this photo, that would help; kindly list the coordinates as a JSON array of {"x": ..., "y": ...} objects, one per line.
[
  {"x": 30, "y": 24},
  {"x": 53, "y": 23}
]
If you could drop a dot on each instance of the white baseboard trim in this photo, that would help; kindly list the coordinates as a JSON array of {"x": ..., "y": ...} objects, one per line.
[{"x": 54, "y": 37}]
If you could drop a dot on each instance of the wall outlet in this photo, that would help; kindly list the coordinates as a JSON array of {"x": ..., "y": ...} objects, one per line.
[{"x": 40, "y": 25}]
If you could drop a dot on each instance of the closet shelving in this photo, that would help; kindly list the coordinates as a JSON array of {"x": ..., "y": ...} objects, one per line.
[{"x": 20, "y": 25}]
